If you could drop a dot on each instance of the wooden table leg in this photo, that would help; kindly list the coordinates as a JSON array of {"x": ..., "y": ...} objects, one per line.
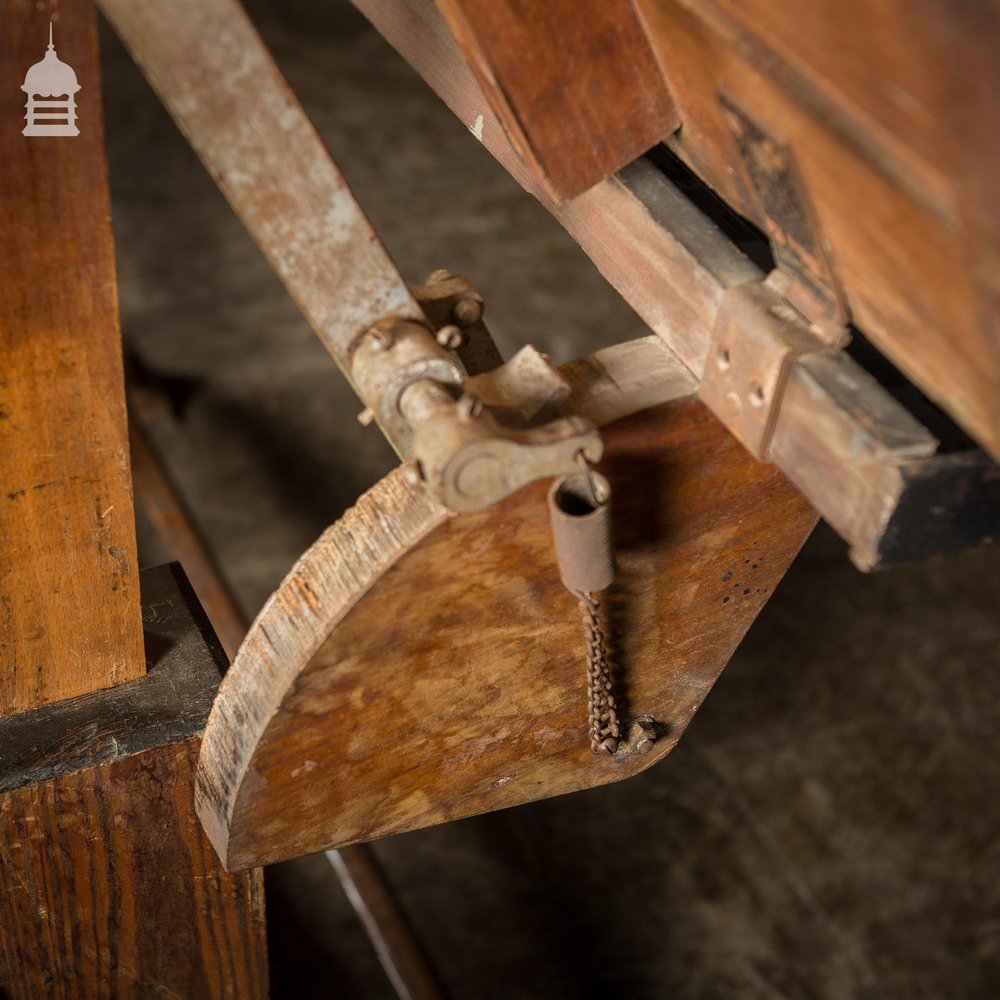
[{"x": 108, "y": 885}]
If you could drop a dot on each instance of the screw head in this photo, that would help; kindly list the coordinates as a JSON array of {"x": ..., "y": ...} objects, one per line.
[{"x": 381, "y": 337}]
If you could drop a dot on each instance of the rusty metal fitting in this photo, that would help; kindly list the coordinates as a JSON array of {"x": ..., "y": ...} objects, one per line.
[
  {"x": 476, "y": 439},
  {"x": 756, "y": 338},
  {"x": 450, "y": 337},
  {"x": 468, "y": 407},
  {"x": 468, "y": 309},
  {"x": 580, "y": 516},
  {"x": 642, "y": 734},
  {"x": 446, "y": 299},
  {"x": 382, "y": 376}
]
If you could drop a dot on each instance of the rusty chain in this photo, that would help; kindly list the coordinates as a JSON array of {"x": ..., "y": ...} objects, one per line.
[{"x": 605, "y": 729}]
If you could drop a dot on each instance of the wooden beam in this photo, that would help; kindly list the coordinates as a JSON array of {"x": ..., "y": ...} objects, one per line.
[
  {"x": 575, "y": 83},
  {"x": 108, "y": 885},
  {"x": 69, "y": 594},
  {"x": 899, "y": 190}
]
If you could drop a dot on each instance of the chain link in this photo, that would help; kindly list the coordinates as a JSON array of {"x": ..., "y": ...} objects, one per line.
[{"x": 605, "y": 730}]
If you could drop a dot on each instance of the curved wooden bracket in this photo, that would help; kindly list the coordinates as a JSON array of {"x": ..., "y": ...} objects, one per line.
[{"x": 416, "y": 667}]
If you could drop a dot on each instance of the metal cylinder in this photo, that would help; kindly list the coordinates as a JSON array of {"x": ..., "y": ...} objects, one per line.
[{"x": 580, "y": 514}]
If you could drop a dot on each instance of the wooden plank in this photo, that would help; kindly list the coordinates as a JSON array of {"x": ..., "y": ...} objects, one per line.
[
  {"x": 69, "y": 593},
  {"x": 574, "y": 83},
  {"x": 889, "y": 115},
  {"x": 415, "y": 668},
  {"x": 222, "y": 88},
  {"x": 108, "y": 885}
]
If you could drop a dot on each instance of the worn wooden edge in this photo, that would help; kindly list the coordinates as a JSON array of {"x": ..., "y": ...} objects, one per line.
[
  {"x": 944, "y": 503},
  {"x": 353, "y": 554},
  {"x": 321, "y": 588},
  {"x": 169, "y": 705}
]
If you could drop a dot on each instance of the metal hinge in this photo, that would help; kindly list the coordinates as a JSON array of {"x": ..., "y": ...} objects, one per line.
[{"x": 756, "y": 338}]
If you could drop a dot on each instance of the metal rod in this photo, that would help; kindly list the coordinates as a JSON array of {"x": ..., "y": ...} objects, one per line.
[{"x": 398, "y": 951}]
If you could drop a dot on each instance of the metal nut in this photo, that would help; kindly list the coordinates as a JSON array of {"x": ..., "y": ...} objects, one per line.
[
  {"x": 468, "y": 310},
  {"x": 642, "y": 734},
  {"x": 450, "y": 337}
]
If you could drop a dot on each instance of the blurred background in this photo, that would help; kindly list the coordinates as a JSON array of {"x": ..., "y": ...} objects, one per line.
[{"x": 830, "y": 824}]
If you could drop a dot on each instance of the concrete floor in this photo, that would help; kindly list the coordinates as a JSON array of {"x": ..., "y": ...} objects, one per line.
[{"x": 830, "y": 825}]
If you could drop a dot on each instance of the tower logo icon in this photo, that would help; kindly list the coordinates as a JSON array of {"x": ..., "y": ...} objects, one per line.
[{"x": 51, "y": 86}]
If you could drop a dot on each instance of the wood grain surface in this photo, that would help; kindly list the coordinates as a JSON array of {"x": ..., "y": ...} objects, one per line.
[
  {"x": 889, "y": 113},
  {"x": 415, "y": 668},
  {"x": 108, "y": 885},
  {"x": 69, "y": 591},
  {"x": 574, "y": 82}
]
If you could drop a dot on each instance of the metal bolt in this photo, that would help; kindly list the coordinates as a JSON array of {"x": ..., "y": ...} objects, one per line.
[
  {"x": 642, "y": 734},
  {"x": 382, "y": 338},
  {"x": 450, "y": 337},
  {"x": 468, "y": 310},
  {"x": 469, "y": 407}
]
